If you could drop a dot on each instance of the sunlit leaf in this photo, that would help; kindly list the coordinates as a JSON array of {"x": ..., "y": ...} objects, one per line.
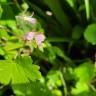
[
  {"x": 80, "y": 88},
  {"x": 71, "y": 2},
  {"x": 87, "y": 6},
  {"x": 4, "y": 34},
  {"x": 54, "y": 78},
  {"x": 17, "y": 72},
  {"x": 1, "y": 51},
  {"x": 85, "y": 72}
]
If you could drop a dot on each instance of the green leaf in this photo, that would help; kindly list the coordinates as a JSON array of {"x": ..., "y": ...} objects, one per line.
[
  {"x": 3, "y": 1},
  {"x": 1, "y": 51},
  {"x": 90, "y": 34},
  {"x": 4, "y": 34},
  {"x": 57, "y": 92},
  {"x": 87, "y": 6},
  {"x": 85, "y": 72},
  {"x": 31, "y": 89},
  {"x": 77, "y": 32},
  {"x": 10, "y": 54},
  {"x": 1, "y": 10},
  {"x": 51, "y": 54},
  {"x": 58, "y": 51},
  {"x": 68, "y": 73},
  {"x": 20, "y": 71},
  {"x": 71, "y": 3},
  {"x": 12, "y": 46},
  {"x": 80, "y": 88},
  {"x": 54, "y": 78}
]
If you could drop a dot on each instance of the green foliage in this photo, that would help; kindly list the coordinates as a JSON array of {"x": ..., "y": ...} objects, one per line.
[
  {"x": 54, "y": 78},
  {"x": 1, "y": 11},
  {"x": 77, "y": 33},
  {"x": 85, "y": 72},
  {"x": 87, "y": 5},
  {"x": 71, "y": 2},
  {"x": 90, "y": 34},
  {"x": 31, "y": 89},
  {"x": 19, "y": 71},
  {"x": 47, "y": 47}
]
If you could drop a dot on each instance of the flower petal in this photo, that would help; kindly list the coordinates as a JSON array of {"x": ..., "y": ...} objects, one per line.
[
  {"x": 29, "y": 36},
  {"x": 39, "y": 38}
]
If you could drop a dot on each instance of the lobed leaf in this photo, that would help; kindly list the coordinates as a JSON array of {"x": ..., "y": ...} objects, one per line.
[{"x": 20, "y": 71}]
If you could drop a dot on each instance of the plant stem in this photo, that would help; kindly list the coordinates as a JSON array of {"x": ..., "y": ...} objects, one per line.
[
  {"x": 64, "y": 84},
  {"x": 95, "y": 60}
]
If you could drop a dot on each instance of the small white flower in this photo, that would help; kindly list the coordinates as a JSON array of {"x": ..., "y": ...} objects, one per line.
[
  {"x": 27, "y": 18},
  {"x": 30, "y": 19}
]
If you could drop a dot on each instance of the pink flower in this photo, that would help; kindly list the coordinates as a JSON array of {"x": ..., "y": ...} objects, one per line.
[
  {"x": 29, "y": 36},
  {"x": 39, "y": 38}
]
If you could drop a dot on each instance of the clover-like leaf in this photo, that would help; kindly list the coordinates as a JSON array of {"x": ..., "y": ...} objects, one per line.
[{"x": 90, "y": 34}]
